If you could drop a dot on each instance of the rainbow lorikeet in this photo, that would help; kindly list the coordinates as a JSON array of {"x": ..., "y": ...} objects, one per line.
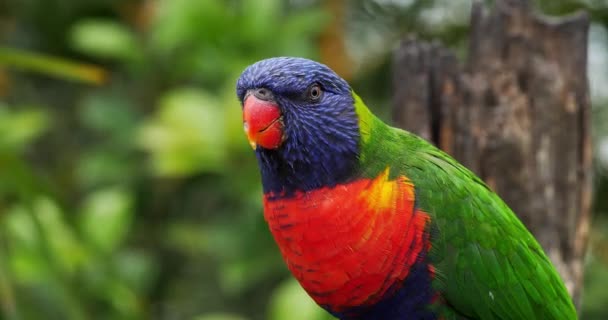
[{"x": 375, "y": 222}]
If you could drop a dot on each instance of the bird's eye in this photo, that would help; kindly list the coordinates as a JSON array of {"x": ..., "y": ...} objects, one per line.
[
  {"x": 315, "y": 92},
  {"x": 263, "y": 94}
]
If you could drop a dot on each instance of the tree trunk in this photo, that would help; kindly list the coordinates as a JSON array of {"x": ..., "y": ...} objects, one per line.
[{"x": 517, "y": 114}]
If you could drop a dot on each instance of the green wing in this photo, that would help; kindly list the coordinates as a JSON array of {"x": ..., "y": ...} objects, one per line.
[{"x": 488, "y": 265}]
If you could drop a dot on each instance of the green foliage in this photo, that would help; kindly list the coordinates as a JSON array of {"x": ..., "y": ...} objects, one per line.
[
  {"x": 48, "y": 257},
  {"x": 291, "y": 302},
  {"x": 187, "y": 133},
  {"x": 50, "y": 65},
  {"x": 18, "y": 129},
  {"x": 104, "y": 39},
  {"x": 596, "y": 275},
  {"x": 106, "y": 218},
  {"x": 219, "y": 316},
  {"x": 142, "y": 196}
]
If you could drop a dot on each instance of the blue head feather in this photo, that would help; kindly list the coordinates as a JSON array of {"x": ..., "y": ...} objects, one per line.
[{"x": 321, "y": 138}]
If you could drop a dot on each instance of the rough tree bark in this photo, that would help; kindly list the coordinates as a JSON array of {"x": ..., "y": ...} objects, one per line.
[{"x": 517, "y": 113}]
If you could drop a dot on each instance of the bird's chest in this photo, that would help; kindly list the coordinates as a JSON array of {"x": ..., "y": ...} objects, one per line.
[{"x": 350, "y": 244}]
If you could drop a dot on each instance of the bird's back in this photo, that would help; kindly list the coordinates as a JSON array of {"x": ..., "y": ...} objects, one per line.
[{"x": 486, "y": 264}]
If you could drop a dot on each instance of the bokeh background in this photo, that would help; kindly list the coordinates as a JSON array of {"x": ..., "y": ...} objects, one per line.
[{"x": 127, "y": 189}]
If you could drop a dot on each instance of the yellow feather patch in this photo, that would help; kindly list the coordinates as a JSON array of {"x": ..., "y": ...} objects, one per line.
[{"x": 384, "y": 194}]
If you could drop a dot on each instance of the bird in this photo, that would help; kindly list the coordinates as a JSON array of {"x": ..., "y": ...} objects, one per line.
[{"x": 375, "y": 222}]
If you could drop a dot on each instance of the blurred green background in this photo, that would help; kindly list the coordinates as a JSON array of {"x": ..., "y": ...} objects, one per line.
[{"x": 127, "y": 189}]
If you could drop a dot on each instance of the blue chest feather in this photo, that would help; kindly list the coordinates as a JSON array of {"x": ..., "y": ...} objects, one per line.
[{"x": 408, "y": 300}]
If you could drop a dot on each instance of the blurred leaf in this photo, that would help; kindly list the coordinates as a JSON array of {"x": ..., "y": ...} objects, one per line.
[
  {"x": 303, "y": 24},
  {"x": 123, "y": 298},
  {"x": 290, "y": 301},
  {"x": 180, "y": 22},
  {"x": 210, "y": 41},
  {"x": 596, "y": 277},
  {"x": 7, "y": 289},
  {"x": 108, "y": 113},
  {"x": 596, "y": 271},
  {"x": 187, "y": 238},
  {"x": 306, "y": 22},
  {"x": 241, "y": 275},
  {"x": 59, "y": 237},
  {"x": 54, "y": 66},
  {"x": 104, "y": 39},
  {"x": 26, "y": 260},
  {"x": 19, "y": 128},
  {"x": 42, "y": 241},
  {"x": 106, "y": 218},
  {"x": 259, "y": 18},
  {"x": 136, "y": 269},
  {"x": 113, "y": 124},
  {"x": 220, "y": 316},
  {"x": 104, "y": 166},
  {"x": 186, "y": 135}
]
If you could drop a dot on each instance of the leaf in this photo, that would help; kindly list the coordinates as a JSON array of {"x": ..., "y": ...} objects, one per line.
[
  {"x": 104, "y": 166},
  {"x": 185, "y": 22},
  {"x": 136, "y": 269},
  {"x": 59, "y": 237},
  {"x": 122, "y": 298},
  {"x": 186, "y": 135},
  {"x": 52, "y": 66},
  {"x": 307, "y": 22},
  {"x": 106, "y": 218},
  {"x": 108, "y": 113},
  {"x": 290, "y": 301},
  {"x": 259, "y": 18},
  {"x": 42, "y": 239},
  {"x": 220, "y": 316},
  {"x": 104, "y": 39},
  {"x": 25, "y": 254},
  {"x": 20, "y": 128}
]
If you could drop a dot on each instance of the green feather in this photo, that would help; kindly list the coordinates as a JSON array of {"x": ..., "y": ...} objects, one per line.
[{"x": 488, "y": 265}]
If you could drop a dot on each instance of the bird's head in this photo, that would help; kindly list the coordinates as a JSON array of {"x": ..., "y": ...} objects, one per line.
[{"x": 300, "y": 118}]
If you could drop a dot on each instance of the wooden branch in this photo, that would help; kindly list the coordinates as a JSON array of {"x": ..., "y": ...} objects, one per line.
[{"x": 517, "y": 114}]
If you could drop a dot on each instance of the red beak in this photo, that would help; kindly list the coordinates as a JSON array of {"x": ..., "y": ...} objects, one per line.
[{"x": 262, "y": 122}]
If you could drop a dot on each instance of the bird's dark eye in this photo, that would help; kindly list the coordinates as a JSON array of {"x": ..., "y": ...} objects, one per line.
[{"x": 314, "y": 92}]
